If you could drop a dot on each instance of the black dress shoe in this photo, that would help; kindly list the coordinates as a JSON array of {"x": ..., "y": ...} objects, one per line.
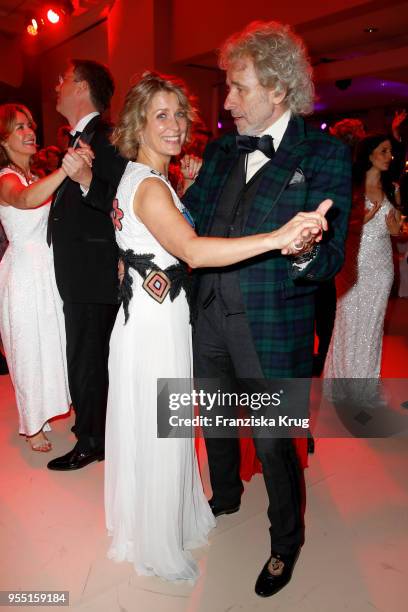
[
  {"x": 75, "y": 460},
  {"x": 218, "y": 509},
  {"x": 268, "y": 584}
]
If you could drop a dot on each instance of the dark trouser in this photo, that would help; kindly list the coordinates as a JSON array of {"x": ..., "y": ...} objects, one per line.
[
  {"x": 223, "y": 348},
  {"x": 88, "y": 329}
]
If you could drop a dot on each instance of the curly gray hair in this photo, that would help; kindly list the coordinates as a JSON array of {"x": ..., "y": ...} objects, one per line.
[{"x": 280, "y": 61}]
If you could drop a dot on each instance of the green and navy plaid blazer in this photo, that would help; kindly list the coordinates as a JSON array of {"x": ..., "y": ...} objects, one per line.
[{"x": 309, "y": 166}]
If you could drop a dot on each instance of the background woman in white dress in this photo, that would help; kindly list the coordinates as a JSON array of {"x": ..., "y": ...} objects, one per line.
[
  {"x": 31, "y": 318},
  {"x": 364, "y": 283},
  {"x": 155, "y": 505}
]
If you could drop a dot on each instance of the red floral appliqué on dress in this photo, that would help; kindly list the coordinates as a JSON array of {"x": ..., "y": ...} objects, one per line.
[{"x": 116, "y": 215}]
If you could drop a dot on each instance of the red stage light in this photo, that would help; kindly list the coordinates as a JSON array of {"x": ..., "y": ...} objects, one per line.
[
  {"x": 32, "y": 27},
  {"x": 52, "y": 16},
  {"x": 54, "y": 12}
]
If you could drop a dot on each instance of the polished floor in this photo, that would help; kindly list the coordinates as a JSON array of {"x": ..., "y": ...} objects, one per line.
[{"x": 52, "y": 533}]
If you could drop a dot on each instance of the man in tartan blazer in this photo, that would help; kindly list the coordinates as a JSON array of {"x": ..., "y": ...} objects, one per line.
[{"x": 255, "y": 320}]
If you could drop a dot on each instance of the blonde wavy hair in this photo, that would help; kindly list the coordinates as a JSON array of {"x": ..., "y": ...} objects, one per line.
[
  {"x": 280, "y": 60},
  {"x": 132, "y": 118},
  {"x": 8, "y": 120}
]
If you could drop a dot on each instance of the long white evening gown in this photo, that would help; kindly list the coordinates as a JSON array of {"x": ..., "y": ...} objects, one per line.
[
  {"x": 154, "y": 500},
  {"x": 31, "y": 318},
  {"x": 363, "y": 288}
]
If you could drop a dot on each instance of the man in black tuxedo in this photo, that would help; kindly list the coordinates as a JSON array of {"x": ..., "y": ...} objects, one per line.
[{"x": 85, "y": 254}]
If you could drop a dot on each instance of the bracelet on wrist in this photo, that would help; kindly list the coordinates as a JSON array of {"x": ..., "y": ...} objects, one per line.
[{"x": 307, "y": 256}]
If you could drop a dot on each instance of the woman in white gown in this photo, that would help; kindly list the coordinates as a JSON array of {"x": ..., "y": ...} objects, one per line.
[
  {"x": 31, "y": 317},
  {"x": 155, "y": 505},
  {"x": 364, "y": 283}
]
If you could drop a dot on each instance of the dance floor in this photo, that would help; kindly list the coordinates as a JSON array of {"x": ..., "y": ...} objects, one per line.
[{"x": 355, "y": 558}]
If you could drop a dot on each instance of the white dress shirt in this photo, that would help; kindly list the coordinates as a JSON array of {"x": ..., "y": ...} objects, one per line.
[
  {"x": 257, "y": 159},
  {"x": 82, "y": 123}
]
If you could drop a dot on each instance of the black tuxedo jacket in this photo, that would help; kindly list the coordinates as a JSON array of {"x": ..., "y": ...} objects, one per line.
[{"x": 83, "y": 237}]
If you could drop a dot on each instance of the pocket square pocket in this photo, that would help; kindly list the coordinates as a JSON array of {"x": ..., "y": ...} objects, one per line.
[{"x": 298, "y": 177}]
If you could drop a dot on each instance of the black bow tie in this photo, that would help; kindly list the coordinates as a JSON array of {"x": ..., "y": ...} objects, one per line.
[
  {"x": 256, "y": 143},
  {"x": 73, "y": 139}
]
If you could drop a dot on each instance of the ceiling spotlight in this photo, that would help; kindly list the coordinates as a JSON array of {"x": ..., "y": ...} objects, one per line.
[
  {"x": 56, "y": 12},
  {"x": 52, "y": 16},
  {"x": 32, "y": 27},
  {"x": 370, "y": 30}
]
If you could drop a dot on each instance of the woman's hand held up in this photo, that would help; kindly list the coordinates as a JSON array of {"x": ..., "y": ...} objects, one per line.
[{"x": 190, "y": 166}]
